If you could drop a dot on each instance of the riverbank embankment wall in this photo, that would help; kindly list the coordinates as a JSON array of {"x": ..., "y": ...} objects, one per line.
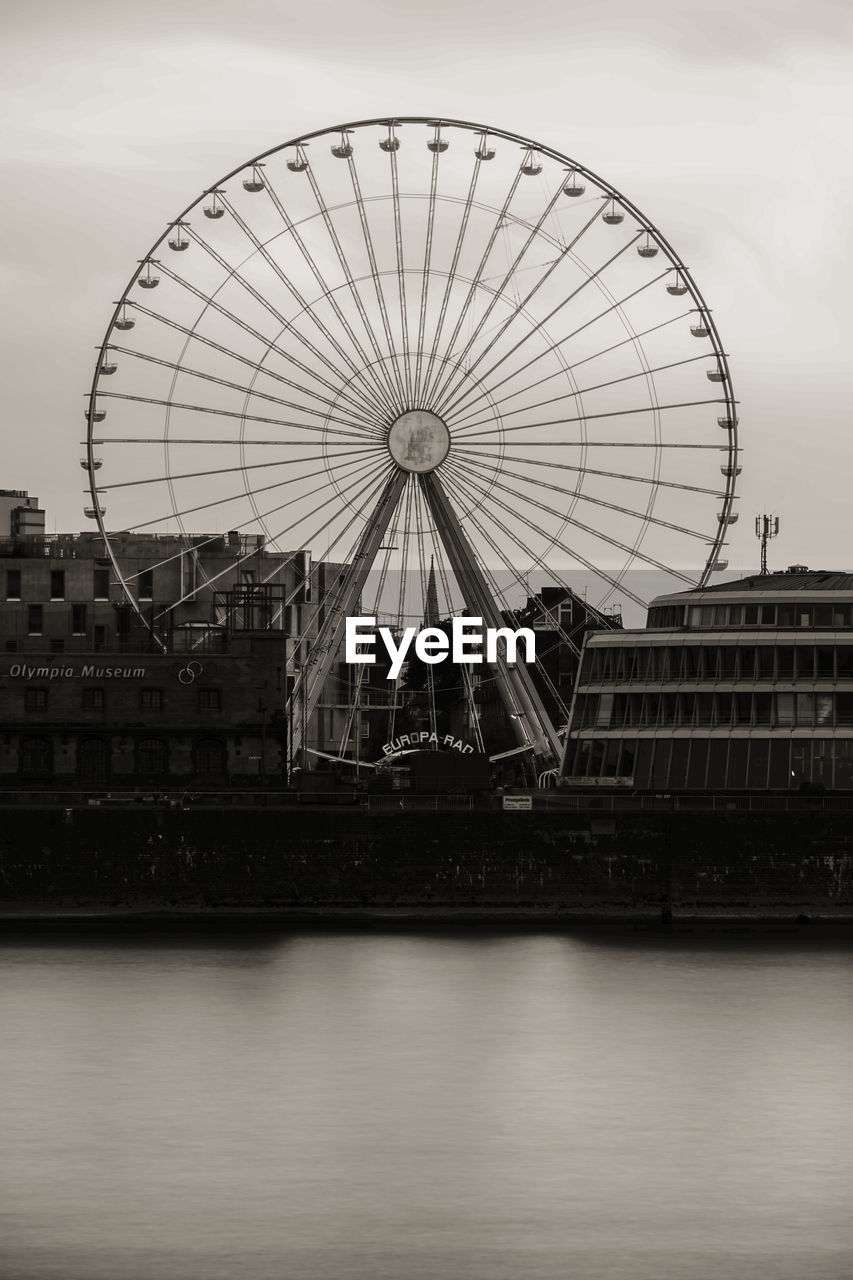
[{"x": 290, "y": 860}]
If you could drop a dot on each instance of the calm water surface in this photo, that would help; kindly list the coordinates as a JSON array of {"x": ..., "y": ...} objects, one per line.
[{"x": 286, "y": 1105}]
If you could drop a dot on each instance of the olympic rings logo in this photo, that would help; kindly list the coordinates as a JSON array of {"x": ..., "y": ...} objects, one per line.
[{"x": 191, "y": 672}]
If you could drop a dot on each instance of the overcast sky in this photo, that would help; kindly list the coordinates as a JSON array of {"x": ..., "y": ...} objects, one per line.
[{"x": 731, "y": 130}]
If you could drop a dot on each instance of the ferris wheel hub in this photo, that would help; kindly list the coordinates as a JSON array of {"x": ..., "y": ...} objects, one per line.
[{"x": 418, "y": 441}]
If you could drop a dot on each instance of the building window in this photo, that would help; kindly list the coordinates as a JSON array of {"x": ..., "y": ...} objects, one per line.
[
  {"x": 825, "y": 657},
  {"x": 35, "y": 699},
  {"x": 604, "y": 710},
  {"x": 35, "y": 756},
  {"x": 151, "y": 699},
  {"x": 784, "y": 708},
  {"x": 94, "y": 699},
  {"x": 151, "y": 756},
  {"x": 209, "y": 700},
  {"x": 13, "y": 584},
  {"x": 101, "y": 584},
  {"x": 210, "y": 757},
  {"x": 57, "y": 584},
  {"x": 805, "y": 709},
  {"x": 35, "y": 619},
  {"x": 78, "y": 619},
  {"x": 93, "y": 760},
  {"x": 146, "y": 584}
]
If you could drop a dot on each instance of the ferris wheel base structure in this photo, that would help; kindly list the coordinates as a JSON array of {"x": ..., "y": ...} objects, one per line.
[
  {"x": 527, "y": 715},
  {"x": 407, "y": 342}
]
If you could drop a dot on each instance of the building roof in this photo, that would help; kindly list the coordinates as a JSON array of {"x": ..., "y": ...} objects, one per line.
[{"x": 797, "y": 578}]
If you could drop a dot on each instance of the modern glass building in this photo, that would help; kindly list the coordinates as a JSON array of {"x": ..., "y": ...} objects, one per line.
[{"x": 745, "y": 686}]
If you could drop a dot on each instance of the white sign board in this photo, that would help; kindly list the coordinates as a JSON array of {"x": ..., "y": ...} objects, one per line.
[{"x": 518, "y": 802}]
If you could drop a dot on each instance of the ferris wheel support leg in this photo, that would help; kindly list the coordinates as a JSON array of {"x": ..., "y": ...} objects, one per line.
[
  {"x": 312, "y": 679},
  {"x": 530, "y": 721}
]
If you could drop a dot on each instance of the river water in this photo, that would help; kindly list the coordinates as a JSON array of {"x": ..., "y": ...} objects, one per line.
[{"x": 273, "y": 1105}]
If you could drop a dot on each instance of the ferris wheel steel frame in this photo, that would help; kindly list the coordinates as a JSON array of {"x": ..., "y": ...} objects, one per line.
[{"x": 388, "y": 383}]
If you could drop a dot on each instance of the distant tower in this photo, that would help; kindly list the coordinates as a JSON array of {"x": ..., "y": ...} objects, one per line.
[
  {"x": 766, "y": 527},
  {"x": 431, "y": 613}
]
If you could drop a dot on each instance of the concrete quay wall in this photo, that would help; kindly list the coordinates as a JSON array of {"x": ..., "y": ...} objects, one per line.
[{"x": 645, "y": 865}]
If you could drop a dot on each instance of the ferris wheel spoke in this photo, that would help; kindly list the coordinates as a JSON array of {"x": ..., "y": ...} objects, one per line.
[
  {"x": 401, "y": 281},
  {"x": 422, "y": 390},
  {"x": 540, "y": 484},
  {"x": 234, "y": 275},
  {"x": 271, "y": 345},
  {"x": 524, "y": 546},
  {"x": 598, "y": 534},
  {"x": 381, "y": 388},
  {"x": 472, "y": 288},
  {"x": 641, "y": 373},
  {"x": 380, "y": 371},
  {"x": 460, "y": 431},
  {"x": 592, "y": 417},
  {"x": 232, "y": 414},
  {"x": 301, "y": 301},
  {"x": 370, "y": 486},
  {"x": 247, "y": 391},
  {"x": 575, "y": 365},
  {"x": 242, "y": 467},
  {"x": 591, "y": 471},
  {"x": 556, "y": 348},
  {"x": 520, "y": 309},
  {"x": 222, "y": 442},
  {"x": 236, "y": 497},
  {"x": 303, "y": 388},
  {"x": 539, "y": 327},
  {"x": 498, "y": 292},
  {"x": 425, "y": 274},
  {"x": 377, "y": 281}
]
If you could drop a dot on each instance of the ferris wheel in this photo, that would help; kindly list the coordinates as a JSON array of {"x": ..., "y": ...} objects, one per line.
[{"x": 438, "y": 354}]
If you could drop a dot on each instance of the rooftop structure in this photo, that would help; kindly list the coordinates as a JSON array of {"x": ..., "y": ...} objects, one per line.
[{"x": 20, "y": 515}]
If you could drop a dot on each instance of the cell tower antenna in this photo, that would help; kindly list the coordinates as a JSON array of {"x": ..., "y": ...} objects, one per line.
[{"x": 766, "y": 527}]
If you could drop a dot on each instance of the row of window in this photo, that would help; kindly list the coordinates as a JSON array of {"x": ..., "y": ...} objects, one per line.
[
  {"x": 717, "y": 662},
  {"x": 35, "y": 619},
  {"x": 751, "y": 615},
  {"x": 101, "y": 580},
  {"x": 697, "y": 764},
  {"x": 94, "y": 758},
  {"x": 648, "y": 710},
  {"x": 95, "y": 699}
]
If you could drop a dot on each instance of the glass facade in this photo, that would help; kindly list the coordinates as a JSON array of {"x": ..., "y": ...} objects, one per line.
[
  {"x": 700, "y": 764},
  {"x": 609, "y": 664},
  {"x": 706, "y": 617},
  {"x": 701, "y": 711},
  {"x": 717, "y": 709}
]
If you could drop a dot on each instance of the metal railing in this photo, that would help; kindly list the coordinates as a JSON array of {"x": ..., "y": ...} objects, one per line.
[{"x": 397, "y": 801}]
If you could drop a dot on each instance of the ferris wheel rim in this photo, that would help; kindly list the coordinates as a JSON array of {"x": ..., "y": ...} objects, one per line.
[{"x": 602, "y": 184}]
